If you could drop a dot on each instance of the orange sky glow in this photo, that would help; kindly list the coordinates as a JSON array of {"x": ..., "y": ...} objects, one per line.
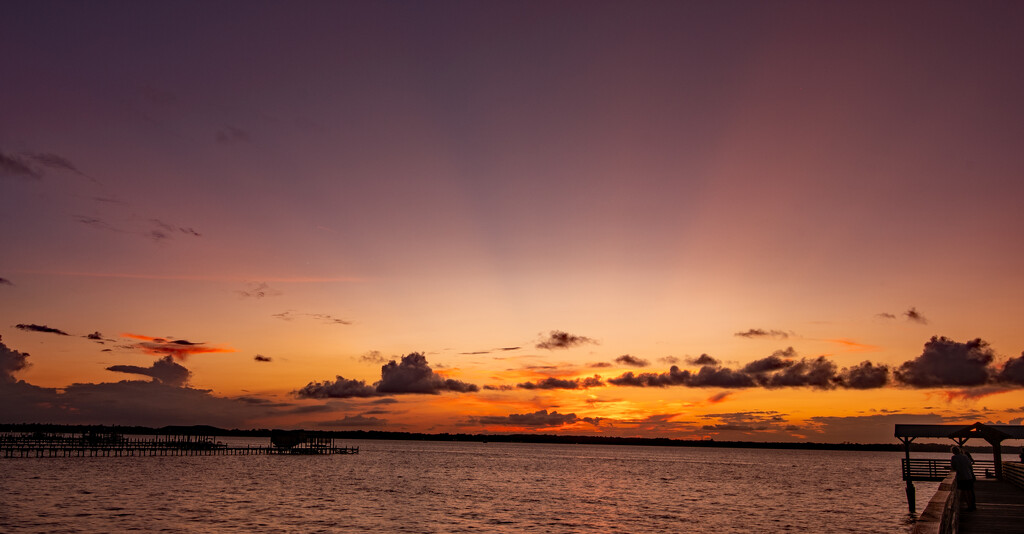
[{"x": 771, "y": 222}]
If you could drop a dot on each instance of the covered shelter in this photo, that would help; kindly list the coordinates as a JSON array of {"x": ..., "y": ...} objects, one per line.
[{"x": 935, "y": 470}]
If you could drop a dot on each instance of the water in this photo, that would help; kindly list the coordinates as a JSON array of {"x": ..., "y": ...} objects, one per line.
[{"x": 411, "y": 486}]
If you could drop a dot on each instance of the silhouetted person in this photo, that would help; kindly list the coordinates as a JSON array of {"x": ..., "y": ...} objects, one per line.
[
  {"x": 1022, "y": 455},
  {"x": 962, "y": 464}
]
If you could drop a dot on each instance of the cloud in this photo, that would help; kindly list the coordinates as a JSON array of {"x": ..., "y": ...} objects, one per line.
[
  {"x": 760, "y": 332},
  {"x": 671, "y": 360},
  {"x": 261, "y": 358},
  {"x": 41, "y": 328},
  {"x": 973, "y": 393},
  {"x": 5, "y": 282},
  {"x": 11, "y": 165},
  {"x": 258, "y": 291},
  {"x": 703, "y": 359},
  {"x": 632, "y": 361},
  {"x": 945, "y": 362},
  {"x": 374, "y": 356},
  {"x": 163, "y": 370},
  {"x": 54, "y": 161},
  {"x": 328, "y": 319},
  {"x": 777, "y": 370},
  {"x": 502, "y": 387},
  {"x": 853, "y": 346},
  {"x": 719, "y": 397},
  {"x": 885, "y": 315},
  {"x": 411, "y": 375},
  {"x": 913, "y": 315},
  {"x": 599, "y": 365},
  {"x": 1013, "y": 371},
  {"x": 230, "y": 135},
  {"x": 164, "y": 230},
  {"x": 178, "y": 348},
  {"x": 11, "y": 361},
  {"x": 354, "y": 421},
  {"x": 865, "y": 375},
  {"x": 341, "y": 388},
  {"x": 563, "y": 340},
  {"x": 540, "y": 418},
  {"x": 95, "y": 336},
  {"x": 560, "y": 383},
  {"x": 776, "y": 361}
]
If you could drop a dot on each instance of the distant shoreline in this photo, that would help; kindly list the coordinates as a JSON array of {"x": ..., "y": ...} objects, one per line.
[{"x": 499, "y": 438}]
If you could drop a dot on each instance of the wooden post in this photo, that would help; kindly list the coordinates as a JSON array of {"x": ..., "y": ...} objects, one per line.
[
  {"x": 997, "y": 455},
  {"x": 911, "y": 492}
]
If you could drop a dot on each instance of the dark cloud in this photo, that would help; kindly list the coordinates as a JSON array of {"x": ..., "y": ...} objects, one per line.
[
  {"x": 945, "y": 362},
  {"x": 563, "y": 340},
  {"x": 129, "y": 402},
  {"x": 11, "y": 361},
  {"x": 341, "y": 388},
  {"x": 538, "y": 418},
  {"x": 164, "y": 370},
  {"x": 703, "y": 359},
  {"x": 508, "y": 348},
  {"x": 760, "y": 332},
  {"x": 1013, "y": 371},
  {"x": 11, "y": 165},
  {"x": 774, "y": 371},
  {"x": 41, "y": 328},
  {"x": 885, "y": 315},
  {"x": 5, "y": 282},
  {"x": 502, "y": 387},
  {"x": 736, "y": 427},
  {"x": 354, "y": 421},
  {"x": 671, "y": 360},
  {"x": 818, "y": 373},
  {"x": 95, "y": 336},
  {"x": 865, "y": 375},
  {"x": 97, "y": 223},
  {"x": 632, "y": 361},
  {"x": 475, "y": 353},
  {"x": 230, "y": 135},
  {"x": 411, "y": 375},
  {"x": 258, "y": 290},
  {"x": 261, "y": 358},
  {"x": 560, "y": 383},
  {"x": 598, "y": 365},
  {"x": 913, "y": 315}
]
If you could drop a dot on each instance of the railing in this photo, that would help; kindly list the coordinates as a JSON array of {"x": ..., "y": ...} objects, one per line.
[
  {"x": 942, "y": 515},
  {"x": 1013, "y": 472},
  {"x": 934, "y": 469}
]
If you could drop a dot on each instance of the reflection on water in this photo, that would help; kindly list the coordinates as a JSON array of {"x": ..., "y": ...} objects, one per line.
[{"x": 396, "y": 486}]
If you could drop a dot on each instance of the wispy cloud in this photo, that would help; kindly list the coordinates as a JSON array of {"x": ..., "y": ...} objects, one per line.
[
  {"x": 760, "y": 332},
  {"x": 913, "y": 315},
  {"x": 5, "y": 282},
  {"x": 261, "y": 358},
  {"x": 178, "y": 348},
  {"x": 540, "y": 418},
  {"x": 258, "y": 290},
  {"x": 323, "y": 317},
  {"x": 556, "y": 339},
  {"x": 632, "y": 361},
  {"x": 11, "y": 165}
]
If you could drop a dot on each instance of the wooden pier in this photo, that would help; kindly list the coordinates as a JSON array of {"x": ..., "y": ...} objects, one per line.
[
  {"x": 110, "y": 444},
  {"x": 105, "y": 451}
]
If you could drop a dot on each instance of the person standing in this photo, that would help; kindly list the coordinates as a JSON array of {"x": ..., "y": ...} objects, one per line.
[{"x": 962, "y": 464}]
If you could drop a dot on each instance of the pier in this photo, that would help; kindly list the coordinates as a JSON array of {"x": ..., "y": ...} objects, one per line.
[
  {"x": 998, "y": 485},
  {"x": 109, "y": 444}
]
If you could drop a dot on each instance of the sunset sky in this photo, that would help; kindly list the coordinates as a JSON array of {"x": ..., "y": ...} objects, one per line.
[{"x": 237, "y": 213}]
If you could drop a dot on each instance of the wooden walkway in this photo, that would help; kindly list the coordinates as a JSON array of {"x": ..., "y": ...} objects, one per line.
[{"x": 1000, "y": 509}]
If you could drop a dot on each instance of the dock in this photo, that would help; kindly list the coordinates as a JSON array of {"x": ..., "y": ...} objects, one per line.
[
  {"x": 110, "y": 444},
  {"x": 1000, "y": 509}
]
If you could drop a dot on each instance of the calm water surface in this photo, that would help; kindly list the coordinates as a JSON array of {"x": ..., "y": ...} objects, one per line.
[{"x": 411, "y": 486}]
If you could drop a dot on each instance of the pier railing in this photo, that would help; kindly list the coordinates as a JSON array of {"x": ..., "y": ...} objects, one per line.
[
  {"x": 935, "y": 469},
  {"x": 1013, "y": 472},
  {"x": 942, "y": 514}
]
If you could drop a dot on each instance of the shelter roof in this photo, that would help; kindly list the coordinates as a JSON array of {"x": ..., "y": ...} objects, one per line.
[{"x": 977, "y": 430}]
